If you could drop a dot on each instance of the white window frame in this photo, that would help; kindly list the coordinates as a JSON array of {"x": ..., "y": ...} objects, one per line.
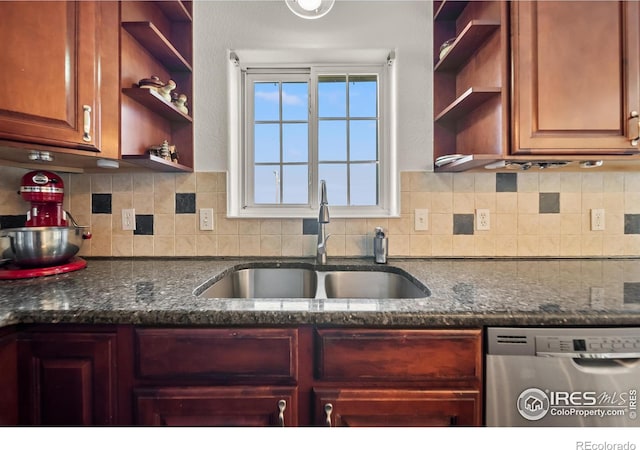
[{"x": 238, "y": 182}]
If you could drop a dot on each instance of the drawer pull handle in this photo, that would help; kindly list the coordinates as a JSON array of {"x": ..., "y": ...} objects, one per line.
[
  {"x": 282, "y": 405},
  {"x": 87, "y": 123},
  {"x": 328, "y": 409},
  {"x": 635, "y": 140}
]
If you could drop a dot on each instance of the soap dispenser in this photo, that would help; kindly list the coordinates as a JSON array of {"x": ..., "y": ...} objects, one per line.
[{"x": 380, "y": 246}]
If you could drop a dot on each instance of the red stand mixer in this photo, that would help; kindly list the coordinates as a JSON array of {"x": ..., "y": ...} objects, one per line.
[
  {"x": 45, "y": 191},
  {"x": 48, "y": 242}
]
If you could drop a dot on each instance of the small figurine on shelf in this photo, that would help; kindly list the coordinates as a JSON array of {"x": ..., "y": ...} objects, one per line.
[
  {"x": 181, "y": 104},
  {"x": 165, "y": 90},
  {"x": 174, "y": 153},
  {"x": 152, "y": 83},
  {"x": 164, "y": 151}
]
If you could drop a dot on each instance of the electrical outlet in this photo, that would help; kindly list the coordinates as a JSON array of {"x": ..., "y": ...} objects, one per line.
[
  {"x": 597, "y": 219},
  {"x": 483, "y": 219},
  {"x": 206, "y": 219},
  {"x": 421, "y": 220},
  {"x": 128, "y": 219}
]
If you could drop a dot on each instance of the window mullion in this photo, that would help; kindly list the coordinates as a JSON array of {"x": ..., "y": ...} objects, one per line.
[{"x": 313, "y": 139}]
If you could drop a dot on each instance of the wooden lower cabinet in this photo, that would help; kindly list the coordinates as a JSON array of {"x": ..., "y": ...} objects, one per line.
[
  {"x": 67, "y": 378},
  {"x": 8, "y": 378},
  {"x": 395, "y": 407},
  {"x": 369, "y": 377},
  {"x": 217, "y": 406},
  {"x": 240, "y": 376}
]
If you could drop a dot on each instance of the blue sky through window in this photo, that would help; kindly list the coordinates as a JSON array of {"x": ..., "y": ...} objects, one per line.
[{"x": 347, "y": 140}]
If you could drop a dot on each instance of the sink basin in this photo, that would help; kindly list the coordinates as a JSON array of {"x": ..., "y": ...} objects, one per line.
[
  {"x": 371, "y": 284},
  {"x": 313, "y": 282},
  {"x": 263, "y": 282}
]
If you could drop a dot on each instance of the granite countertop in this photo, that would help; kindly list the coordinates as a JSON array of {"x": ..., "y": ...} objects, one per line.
[{"x": 464, "y": 293}]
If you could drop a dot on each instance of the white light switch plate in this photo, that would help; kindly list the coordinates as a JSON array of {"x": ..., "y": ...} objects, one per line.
[
  {"x": 421, "y": 221},
  {"x": 206, "y": 219},
  {"x": 128, "y": 219}
]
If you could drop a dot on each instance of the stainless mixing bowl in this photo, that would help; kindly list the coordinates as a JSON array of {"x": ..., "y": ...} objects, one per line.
[{"x": 42, "y": 246}]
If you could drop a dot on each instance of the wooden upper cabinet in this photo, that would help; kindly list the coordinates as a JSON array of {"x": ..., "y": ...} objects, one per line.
[
  {"x": 54, "y": 74},
  {"x": 576, "y": 76}
]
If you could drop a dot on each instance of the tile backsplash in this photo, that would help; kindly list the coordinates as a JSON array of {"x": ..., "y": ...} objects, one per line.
[{"x": 541, "y": 213}]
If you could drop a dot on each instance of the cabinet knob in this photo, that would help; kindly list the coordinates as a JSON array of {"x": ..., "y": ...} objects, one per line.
[
  {"x": 86, "y": 136},
  {"x": 282, "y": 405},
  {"x": 636, "y": 139},
  {"x": 328, "y": 409}
]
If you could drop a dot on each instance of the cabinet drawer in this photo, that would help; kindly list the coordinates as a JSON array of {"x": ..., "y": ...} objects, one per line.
[
  {"x": 398, "y": 355},
  {"x": 225, "y": 355}
]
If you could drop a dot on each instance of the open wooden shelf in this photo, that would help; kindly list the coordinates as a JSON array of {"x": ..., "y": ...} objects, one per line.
[
  {"x": 467, "y": 102},
  {"x": 175, "y": 10},
  {"x": 449, "y": 10},
  {"x": 155, "y": 102},
  {"x": 156, "y": 163},
  {"x": 466, "y": 44},
  {"x": 148, "y": 35}
]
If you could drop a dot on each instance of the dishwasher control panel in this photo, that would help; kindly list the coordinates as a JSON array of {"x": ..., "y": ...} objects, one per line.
[
  {"x": 591, "y": 344},
  {"x": 621, "y": 342}
]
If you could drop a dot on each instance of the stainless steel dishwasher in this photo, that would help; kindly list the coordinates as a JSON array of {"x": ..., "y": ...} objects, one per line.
[{"x": 562, "y": 377}]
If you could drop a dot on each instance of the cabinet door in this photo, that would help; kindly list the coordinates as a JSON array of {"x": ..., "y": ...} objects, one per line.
[
  {"x": 8, "y": 380},
  {"x": 395, "y": 407},
  {"x": 217, "y": 406},
  {"x": 49, "y": 82},
  {"x": 67, "y": 378},
  {"x": 576, "y": 76}
]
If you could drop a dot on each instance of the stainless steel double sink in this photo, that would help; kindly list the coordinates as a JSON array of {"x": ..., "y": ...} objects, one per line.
[{"x": 308, "y": 281}]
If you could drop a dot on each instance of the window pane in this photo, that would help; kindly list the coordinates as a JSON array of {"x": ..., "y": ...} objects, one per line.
[
  {"x": 364, "y": 187},
  {"x": 332, "y": 140},
  {"x": 295, "y": 184},
  {"x": 266, "y": 182},
  {"x": 267, "y": 142},
  {"x": 295, "y": 142},
  {"x": 363, "y": 96},
  {"x": 332, "y": 96},
  {"x": 336, "y": 177},
  {"x": 295, "y": 101},
  {"x": 267, "y": 101},
  {"x": 363, "y": 141}
]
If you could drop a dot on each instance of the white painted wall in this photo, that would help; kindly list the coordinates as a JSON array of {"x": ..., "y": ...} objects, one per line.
[{"x": 268, "y": 24}]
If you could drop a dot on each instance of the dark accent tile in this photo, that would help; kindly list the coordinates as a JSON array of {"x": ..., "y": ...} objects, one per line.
[
  {"x": 632, "y": 224},
  {"x": 185, "y": 203},
  {"x": 309, "y": 226},
  {"x": 463, "y": 224},
  {"x": 144, "y": 225},
  {"x": 506, "y": 182},
  {"x": 13, "y": 221},
  {"x": 549, "y": 203},
  {"x": 631, "y": 293},
  {"x": 101, "y": 203}
]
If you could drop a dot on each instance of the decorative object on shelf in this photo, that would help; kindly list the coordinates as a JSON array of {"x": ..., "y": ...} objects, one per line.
[
  {"x": 446, "y": 47},
  {"x": 165, "y": 90},
  {"x": 152, "y": 83},
  {"x": 180, "y": 102},
  {"x": 164, "y": 151},
  {"x": 173, "y": 153},
  {"x": 310, "y": 9}
]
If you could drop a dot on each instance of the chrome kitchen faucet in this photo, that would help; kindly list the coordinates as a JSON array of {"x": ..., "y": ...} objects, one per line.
[{"x": 323, "y": 219}]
